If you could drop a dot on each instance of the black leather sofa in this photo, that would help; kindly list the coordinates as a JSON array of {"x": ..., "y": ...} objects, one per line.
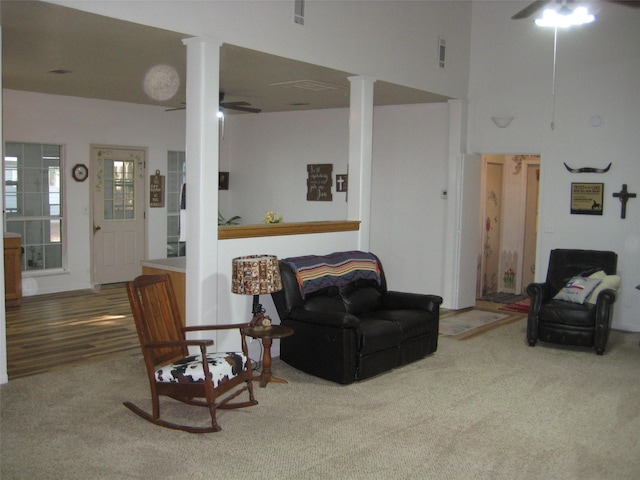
[{"x": 352, "y": 328}]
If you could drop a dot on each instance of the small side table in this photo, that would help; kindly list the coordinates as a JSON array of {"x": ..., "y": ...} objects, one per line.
[{"x": 267, "y": 336}]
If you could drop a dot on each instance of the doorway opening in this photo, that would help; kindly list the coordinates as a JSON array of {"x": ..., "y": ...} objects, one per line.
[{"x": 508, "y": 226}]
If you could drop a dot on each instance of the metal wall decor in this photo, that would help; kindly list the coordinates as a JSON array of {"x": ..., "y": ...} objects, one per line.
[
  {"x": 588, "y": 169},
  {"x": 624, "y": 196}
]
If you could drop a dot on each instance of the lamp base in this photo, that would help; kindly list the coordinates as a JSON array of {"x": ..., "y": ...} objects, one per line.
[{"x": 261, "y": 322}]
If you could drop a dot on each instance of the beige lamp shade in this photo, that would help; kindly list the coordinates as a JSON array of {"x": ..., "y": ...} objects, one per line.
[{"x": 255, "y": 275}]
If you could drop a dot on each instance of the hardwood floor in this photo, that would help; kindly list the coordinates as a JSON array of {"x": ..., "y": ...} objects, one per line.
[{"x": 51, "y": 332}]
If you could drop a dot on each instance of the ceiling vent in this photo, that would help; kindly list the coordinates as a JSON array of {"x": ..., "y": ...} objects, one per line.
[{"x": 312, "y": 85}]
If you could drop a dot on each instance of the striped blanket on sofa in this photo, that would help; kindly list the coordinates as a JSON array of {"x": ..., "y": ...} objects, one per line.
[{"x": 315, "y": 272}]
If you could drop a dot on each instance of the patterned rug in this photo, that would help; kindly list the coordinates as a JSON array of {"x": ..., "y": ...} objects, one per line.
[
  {"x": 473, "y": 322},
  {"x": 518, "y": 307}
]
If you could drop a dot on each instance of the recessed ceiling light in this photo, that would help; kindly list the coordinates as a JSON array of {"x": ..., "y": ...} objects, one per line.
[{"x": 60, "y": 71}]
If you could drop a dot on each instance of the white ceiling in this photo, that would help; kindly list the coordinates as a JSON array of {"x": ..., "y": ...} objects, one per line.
[{"x": 108, "y": 59}]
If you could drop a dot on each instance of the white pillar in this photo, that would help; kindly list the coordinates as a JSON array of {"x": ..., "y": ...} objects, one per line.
[
  {"x": 360, "y": 148},
  {"x": 203, "y": 79},
  {"x": 452, "y": 258}
]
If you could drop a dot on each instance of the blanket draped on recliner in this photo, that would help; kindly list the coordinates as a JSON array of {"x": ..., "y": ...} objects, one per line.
[{"x": 315, "y": 272}]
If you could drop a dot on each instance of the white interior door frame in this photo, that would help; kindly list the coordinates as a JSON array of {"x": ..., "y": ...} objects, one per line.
[
  {"x": 127, "y": 248},
  {"x": 526, "y": 163}
]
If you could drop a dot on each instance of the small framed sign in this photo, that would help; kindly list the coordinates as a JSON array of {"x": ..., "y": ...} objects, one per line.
[
  {"x": 223, "y": 180},
  {"x": 319, "y": 182},
  {"x": 156, "y": 190},
  {"x": 586, "y": 198}
]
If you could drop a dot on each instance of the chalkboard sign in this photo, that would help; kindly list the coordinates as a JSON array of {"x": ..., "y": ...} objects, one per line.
[
  {"x": 319, "y": 182},
  {"x": 156, "y": 190}
]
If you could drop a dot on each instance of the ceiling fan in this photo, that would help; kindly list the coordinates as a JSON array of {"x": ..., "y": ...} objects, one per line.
[
  {"x": 538, "y": 5},
  {"x": 240, "y": 106}
]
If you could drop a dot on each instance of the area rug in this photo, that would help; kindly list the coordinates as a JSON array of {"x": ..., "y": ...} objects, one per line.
[
  {"x": 518, "y": 307},
  {"x": 471, "y": 322},
  {"x": 501, "y": 297}
]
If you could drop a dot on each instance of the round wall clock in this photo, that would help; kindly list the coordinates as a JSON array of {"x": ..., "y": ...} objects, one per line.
[{"x": 80, "y": 172}]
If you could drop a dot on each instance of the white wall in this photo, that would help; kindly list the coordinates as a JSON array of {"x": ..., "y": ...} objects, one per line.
[
  {"x": 77, "y": 123},
  {"x": 394, "y": 41},
  {"x": 408, "y": 215},
  {"x": 597, "y": 74},
  {"x": 267, "y": 157},
  {"x": 268, "y": 154}
]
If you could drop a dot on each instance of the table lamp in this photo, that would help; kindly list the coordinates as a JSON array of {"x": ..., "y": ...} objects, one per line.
[{"x": 256, "y": 275}]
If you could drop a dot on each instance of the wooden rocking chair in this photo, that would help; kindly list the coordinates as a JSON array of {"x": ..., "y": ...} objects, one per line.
[{"x": 175, "y": 373}]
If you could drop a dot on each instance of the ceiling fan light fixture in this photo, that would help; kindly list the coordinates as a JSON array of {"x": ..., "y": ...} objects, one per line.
[{"x": 564, "y": 17}]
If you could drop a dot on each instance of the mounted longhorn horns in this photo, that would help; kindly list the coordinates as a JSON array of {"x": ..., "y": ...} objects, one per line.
[{"x": 588, "y": 169}]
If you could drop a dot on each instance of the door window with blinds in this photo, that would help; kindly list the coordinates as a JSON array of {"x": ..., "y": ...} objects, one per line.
[
  {"x": 33, "y": 202},
  {"x": 119, "y": 189}
]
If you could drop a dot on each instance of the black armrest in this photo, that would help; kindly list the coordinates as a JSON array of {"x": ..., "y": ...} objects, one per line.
[
  {"x": 540, "y": 291},
  {"x": 607, "y": 297},
  {"x": 411, "y": 301},
  {"x": 330, "y": 319}
]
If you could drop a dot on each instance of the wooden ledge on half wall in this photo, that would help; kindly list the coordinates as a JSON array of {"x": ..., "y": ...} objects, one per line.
[{"x": 284, "y": 228}]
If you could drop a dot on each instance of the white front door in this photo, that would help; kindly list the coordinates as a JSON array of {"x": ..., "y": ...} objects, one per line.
[{"x": 117, "y": 180}]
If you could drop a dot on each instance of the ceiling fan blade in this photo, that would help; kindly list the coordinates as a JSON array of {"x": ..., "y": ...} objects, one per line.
[
  {"x": 530, "y": 9},
  {"x": 240, "y": 106},
  {"x": 234, "y": 106},
  {"x": 626, "y": 3},
  {"x": 174, "y": 109}
]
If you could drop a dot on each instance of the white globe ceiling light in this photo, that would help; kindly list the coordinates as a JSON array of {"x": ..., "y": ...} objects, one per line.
[
  {"x": 161, "y": 82},
  {"x": 565, "y": 17}
]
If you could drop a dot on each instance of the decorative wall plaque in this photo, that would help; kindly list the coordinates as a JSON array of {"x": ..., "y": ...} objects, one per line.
[
  {"x": 319, "y": 181},
  {"x": 342, "y": 182},
  {"x": 223, "y": 180},
  {"x": 586, "y": 198},
  {"x": 156, "y": 190}
]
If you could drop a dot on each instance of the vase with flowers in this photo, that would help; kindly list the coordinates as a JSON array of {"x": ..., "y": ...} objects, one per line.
[{"x": 272, "y": 217}]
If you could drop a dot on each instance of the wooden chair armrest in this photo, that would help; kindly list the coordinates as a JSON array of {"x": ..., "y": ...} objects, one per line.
[
  {"x": 227, "y": 326},
  {"x": 179, "y": 343}
]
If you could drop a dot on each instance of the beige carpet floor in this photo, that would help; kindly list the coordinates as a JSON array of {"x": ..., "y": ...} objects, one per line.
[{"x": 488, "y": 407}]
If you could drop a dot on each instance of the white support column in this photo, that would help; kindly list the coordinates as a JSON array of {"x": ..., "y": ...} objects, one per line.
[
  {"x": 203, "y": 79},
  {"x": 457, "y": 136},
  {"x": 360, "y": 158}
]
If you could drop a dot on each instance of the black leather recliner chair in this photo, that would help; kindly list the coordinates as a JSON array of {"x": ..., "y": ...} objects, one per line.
[
  {"x": 562, "y": 322},
  {"x": 354, "y": 331}
]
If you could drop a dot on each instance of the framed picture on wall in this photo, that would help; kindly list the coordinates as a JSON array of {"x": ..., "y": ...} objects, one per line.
[
  {"x": 586, "y": 198},
  {"x": 223, "y": 180}
]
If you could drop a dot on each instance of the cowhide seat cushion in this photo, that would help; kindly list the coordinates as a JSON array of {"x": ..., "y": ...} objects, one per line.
[{"x": 223, "y": 367}]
